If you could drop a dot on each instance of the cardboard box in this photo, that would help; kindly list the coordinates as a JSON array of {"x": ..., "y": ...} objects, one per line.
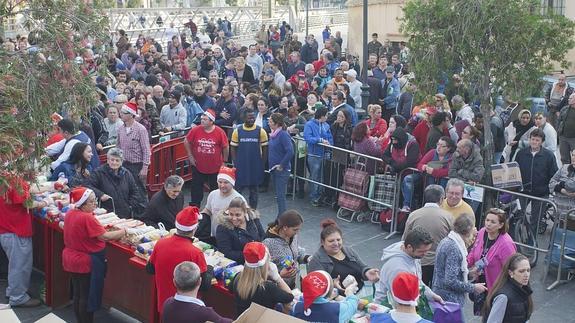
[
  {"x": 259, "y": 314},
  {"x": 506, "y": 175}
]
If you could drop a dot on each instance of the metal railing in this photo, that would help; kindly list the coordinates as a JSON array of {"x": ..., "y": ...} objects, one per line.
[
  {"x": 348, "y": 155},
  {"x": 562, "y": 246}
]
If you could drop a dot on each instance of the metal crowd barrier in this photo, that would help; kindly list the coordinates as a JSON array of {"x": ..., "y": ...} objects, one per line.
[
  {"x": 562, "y": 246},
  {"x": 346, "y": 155}
]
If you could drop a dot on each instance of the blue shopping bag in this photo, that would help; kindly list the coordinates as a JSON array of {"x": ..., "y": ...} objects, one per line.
[{"x": 446, "y": 313}]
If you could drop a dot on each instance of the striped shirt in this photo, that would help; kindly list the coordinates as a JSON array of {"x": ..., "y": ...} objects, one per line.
[{"x": 135, "y": 144}]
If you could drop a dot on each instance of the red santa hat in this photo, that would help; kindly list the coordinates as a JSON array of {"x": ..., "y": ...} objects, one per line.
[
  {"x": 130, "y": 107},
  {"x": 227, "y": 173},
  {"x": 405, "y": 289},
  {"x": 316, "y": 284},
  {"x": 255, "y": 254},
  {"x": 188, "y": 218},
  {"x": 79, "y": 195},
  {"x": 211, "y": 114}
]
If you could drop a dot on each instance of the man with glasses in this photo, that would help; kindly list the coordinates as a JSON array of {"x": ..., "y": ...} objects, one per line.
[{"x": 454, "y": 203}]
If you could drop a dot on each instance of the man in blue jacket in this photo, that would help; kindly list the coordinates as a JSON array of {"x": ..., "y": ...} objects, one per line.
[
  {"x": 315, "y": 132},
  {"x": 390, "y": 91},
  {"x": 537, "y": 166}
]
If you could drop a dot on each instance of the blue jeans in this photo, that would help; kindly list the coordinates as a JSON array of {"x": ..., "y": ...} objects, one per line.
[
  {"x": 409, "y": 181},
  {"x": 19, "y": 253},
  {"x": 315, "y": 165},
  {"x": 280, "y": 179},
  {"x": 407, "y": 185}
]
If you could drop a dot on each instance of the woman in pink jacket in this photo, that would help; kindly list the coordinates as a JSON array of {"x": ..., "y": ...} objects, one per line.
[{"x": 493, "y": 246}]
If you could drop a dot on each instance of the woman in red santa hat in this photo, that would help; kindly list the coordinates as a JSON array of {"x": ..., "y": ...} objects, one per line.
[
  {"x": 83, "y": 255},
  {"x": 316, "y": 305},
  {"x": 260, "y": 281}
]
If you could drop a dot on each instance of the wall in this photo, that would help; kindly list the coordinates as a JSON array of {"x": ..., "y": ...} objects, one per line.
[
  {"x": 383, "y": 18},
  {"x": 570, "y": 13}
]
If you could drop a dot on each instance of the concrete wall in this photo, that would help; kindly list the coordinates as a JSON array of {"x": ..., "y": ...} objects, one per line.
[
  {"x": 570, "y": 13},
  {"x": 383, "y": 18}
]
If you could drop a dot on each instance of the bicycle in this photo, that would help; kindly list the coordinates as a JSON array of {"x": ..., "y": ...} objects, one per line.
[{"x": 520, "y": 228}]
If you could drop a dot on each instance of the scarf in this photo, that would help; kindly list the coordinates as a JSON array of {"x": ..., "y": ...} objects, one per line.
[
  {"x": 463, "y": 250},
  {"x": 275, "y": 132}
]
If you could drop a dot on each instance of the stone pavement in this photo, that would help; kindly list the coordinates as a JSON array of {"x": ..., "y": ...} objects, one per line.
[{"x": 368, "y": 240}]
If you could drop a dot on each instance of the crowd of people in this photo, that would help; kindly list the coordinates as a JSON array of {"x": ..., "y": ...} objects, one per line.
[{"x": 242, "y": 106}]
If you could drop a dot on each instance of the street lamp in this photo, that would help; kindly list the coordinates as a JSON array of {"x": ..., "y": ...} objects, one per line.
[{"x": 364, "y": 86}]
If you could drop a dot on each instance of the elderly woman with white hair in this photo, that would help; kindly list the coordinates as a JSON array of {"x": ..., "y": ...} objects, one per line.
[
  {"x": 115, "y": 186},
  {"x": 165, "y": 204}
]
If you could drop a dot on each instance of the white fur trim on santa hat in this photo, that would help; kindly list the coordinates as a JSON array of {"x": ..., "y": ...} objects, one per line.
[
  {"x": 257, "y": 264},
  {"x": 307, "y": 312},
  {"x": 404, "y": 302},
  {"x": 227, "y": 178},
  {"x": 84, "y": 197},
  {"x": 188, "y": 228}
]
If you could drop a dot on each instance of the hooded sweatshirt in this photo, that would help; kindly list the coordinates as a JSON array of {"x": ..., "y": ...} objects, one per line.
[
  {"x": 403, "y": 154},
  {"x": 395, "y": 261}
]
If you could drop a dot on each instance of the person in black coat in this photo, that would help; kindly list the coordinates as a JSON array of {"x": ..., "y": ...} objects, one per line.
[
  {"x": 115, "y": 186},
  {"x": 237, "y": 226},
  {"x": 165, "y": 204},
  {"x": 537, "y": 166}
]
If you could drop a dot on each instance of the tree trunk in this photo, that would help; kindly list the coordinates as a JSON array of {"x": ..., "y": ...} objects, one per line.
[{"x": 489, "y": 197}]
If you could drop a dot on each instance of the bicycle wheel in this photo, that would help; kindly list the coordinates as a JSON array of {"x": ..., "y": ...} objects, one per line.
[{"x": 522, "y": 233}]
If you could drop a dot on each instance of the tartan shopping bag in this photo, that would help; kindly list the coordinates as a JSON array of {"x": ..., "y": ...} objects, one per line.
[
  {"x": 354, "y": 181},
  {"x": 382, "y": 188}
]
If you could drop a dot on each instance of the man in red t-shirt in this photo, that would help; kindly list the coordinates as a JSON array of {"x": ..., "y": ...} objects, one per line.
[
  {"x": 208, "y": 149},
  {"x": 170, "y": 252},
  {"x": 16, "y": 241}
]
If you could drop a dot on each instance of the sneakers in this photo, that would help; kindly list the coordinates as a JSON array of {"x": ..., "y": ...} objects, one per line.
[
  {"x": 405, "y": 209},
  {"x": 32, "y": 302},
  {"x": 315, "y": 203}
]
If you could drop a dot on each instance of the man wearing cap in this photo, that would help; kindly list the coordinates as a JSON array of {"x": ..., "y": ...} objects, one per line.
[
  {"x": 169, "y": 252},
  {"x": 316, "y": 305},
  {"x": 249, "y": 147},
  {"x": 295, "y": 65},
  {"x": 354, "y": 87},
  {"x": 138, "y": 71},
  {"x": 208, "y": 149},
  {"x": 405, "y": 294},
  {"x": 134, "y": 141},
  {"x": 389, "y": 93},
  {"x": 173, "y": 116},
  {"x": 374, "y": 45},
  {"x": 185, "y": 306}
]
